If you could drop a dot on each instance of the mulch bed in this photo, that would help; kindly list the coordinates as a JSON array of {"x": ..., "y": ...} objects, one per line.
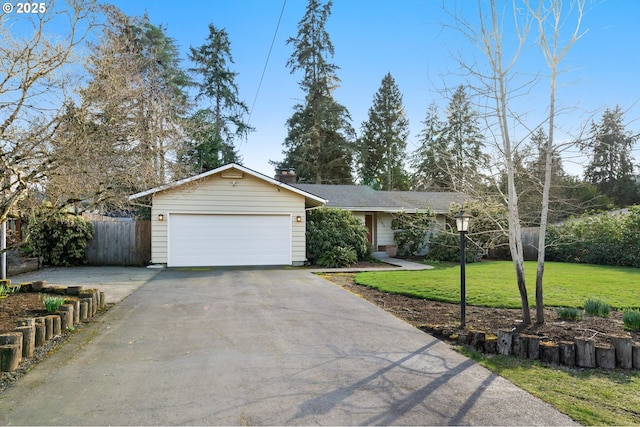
[{"x": 425, "y": 314}]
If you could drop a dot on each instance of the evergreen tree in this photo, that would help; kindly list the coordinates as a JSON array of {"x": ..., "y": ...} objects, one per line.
[
  {"x": 382, "y": 146},
  {"x": 318, "y": 143},
  {"x": 136, "y": 97},
  {"x": 464, "y": 143},
  {"x": 214, "y": 129},
  {"x": 611, "y": 168},
  {"x": 426, "y": 161}
]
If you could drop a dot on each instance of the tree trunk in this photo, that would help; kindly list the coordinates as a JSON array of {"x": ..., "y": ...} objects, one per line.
[
  {"x": 606, "y": 357},
  {"x": 585, "y": 353},
  {"x": 505, "y": 340},
  {"x": 567, "y": 353},
  {"x": 624, "y": 351},
  {"x": 635, "y": 355},
  {"x": 550, "y": 353},
  {"x": 29, "y": 339},
  {"x": 10, "y": 351}
]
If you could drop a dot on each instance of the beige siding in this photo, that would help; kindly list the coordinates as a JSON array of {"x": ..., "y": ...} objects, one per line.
[
  {"x": 385, "y": 233},
  {"x": 214, "y": 194}
]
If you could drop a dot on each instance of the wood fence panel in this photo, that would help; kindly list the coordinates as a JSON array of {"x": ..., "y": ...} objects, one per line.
[
  {"x": 120, "y": 242},
  {"x": 530, "y": 243}
]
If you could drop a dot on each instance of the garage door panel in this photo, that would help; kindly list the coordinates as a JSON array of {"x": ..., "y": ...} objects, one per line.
[{"x": 220, "y": 240}]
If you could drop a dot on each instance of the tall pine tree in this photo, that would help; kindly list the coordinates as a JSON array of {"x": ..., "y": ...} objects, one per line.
[
  {"x": 464, "y": 142},
  {"x": 318, "y": 144},
  {"x": 382, "y": 145},
  {"x": 611, "y": 168},
  {"x": 430, "y": 155},
  {"x": 214, "y": 128}
]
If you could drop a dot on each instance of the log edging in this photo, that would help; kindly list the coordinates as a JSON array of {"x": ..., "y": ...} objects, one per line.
[
  {"x": 623, "y": 353},
  {"x": 31, "y": 333}
]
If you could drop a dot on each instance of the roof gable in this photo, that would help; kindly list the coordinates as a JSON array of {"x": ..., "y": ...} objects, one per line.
[{"x": 231, "y": 169}]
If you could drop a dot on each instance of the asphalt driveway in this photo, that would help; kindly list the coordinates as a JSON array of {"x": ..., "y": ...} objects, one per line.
[{"x": 260, "y": 346}]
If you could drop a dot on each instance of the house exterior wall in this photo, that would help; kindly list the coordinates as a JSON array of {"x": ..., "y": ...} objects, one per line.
[
  {"x": 383, "y": 233},
  {"x": 217, "y": 195}
]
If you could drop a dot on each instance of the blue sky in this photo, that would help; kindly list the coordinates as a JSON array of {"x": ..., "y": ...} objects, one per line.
[{"x": 407, "y": 39}]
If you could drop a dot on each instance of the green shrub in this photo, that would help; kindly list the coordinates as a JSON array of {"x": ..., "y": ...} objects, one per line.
[
  {"x": 445, "y": 247},
  {"x": 631, "y": 320},
  {"x": 597, "y": 239},
  {"x": 60, "y": 238},
  {"x": 51, "y": 304},
  {"x": 596, "y": 307},
  {"x": 410, "y": 231},
  {"x": 328, "y": 228},
  {"x": 338, "y": 257},
  {"x": 569, "y": 313}
]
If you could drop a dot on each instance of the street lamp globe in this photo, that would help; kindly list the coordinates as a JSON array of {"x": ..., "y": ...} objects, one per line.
[{"x": 462, "y": 221}]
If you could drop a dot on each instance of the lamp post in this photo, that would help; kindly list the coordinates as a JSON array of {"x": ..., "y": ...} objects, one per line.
[{"x": 462, "y": 224}]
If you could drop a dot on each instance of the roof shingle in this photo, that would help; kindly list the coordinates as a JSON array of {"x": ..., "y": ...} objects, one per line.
[{"x": 364, "y": 198}]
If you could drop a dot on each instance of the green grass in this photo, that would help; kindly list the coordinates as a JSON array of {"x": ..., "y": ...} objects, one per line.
[
  {"x": 493, "y": 284},
  {"x": 591, "y": 397}
]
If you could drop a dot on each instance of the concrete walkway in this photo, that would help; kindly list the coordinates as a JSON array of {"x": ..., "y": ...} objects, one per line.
[
  {"x": 260, "y": 347},
  {"x": 395, "y": 264}
]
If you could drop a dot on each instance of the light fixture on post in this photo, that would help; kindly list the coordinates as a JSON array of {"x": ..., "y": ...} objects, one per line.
[
  {"x": 462, "y": 224},
  {"x": 160, "y": 217}
]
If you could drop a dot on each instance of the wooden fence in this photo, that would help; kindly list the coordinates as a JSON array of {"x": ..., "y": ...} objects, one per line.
[{"x": 120, "y": 242}]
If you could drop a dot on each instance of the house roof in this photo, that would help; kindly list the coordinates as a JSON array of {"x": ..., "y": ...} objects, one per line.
[
  {"x": 364, "y": 198},
  {"x": 311, "y": 200}
]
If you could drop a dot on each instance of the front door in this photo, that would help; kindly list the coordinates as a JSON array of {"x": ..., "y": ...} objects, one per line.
[{"x": 368, "y": 222}]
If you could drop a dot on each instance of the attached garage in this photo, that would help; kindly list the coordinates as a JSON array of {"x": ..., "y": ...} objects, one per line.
[{"x": 230, "y": 216}]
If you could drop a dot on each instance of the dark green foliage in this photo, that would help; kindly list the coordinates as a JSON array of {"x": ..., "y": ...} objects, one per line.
[
  {"x": 631, "y": 320},
  {"x": 450, "y": 153},
  {"x": 213, "y": 129},
  {"x": 611, "y": 168},
  {"x": 604, "y": 239},
  {"x": 596, "y": 307},
  {"x": 445, "y": 247},
  {"x": 60, "y": 238},
  {"x": 330, "y": 228},
  {"x": 382, "y": 146},
  {"x": 410, "y": 231},
  {"x": 569, "y": 313},
  {"x": 430, "y": 155},
  {"x": 319, "y": 139},
  {"x": 337, "y": 257}
]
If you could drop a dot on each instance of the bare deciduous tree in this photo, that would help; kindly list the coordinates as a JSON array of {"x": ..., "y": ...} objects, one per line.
[
  {"x": 36, "y": 74},
  {"x": 496, "y": 86},
  {"x": 550, "y": 19},
  {"x": 500, "y": 84}
]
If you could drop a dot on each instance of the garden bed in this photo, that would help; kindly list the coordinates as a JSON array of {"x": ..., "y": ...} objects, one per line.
[{"x": 443, "y": 319}]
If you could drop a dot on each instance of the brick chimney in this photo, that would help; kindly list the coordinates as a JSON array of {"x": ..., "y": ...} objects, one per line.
[{"x": 288, "y": 176}]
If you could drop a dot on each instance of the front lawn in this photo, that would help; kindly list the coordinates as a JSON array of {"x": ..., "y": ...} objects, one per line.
[{"x": 493, "y": 284}]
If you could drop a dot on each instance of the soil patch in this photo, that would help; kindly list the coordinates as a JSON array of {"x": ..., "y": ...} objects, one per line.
[
  {"x": 426, "y": 315},
  {"x": 19, "y": 306}
]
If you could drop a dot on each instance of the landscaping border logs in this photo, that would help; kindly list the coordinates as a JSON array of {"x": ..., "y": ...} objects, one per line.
[
  {"x": 28, "y": 332},
  {"x": 624, "y": 351},
  {"x": 550, "y": 353},
  {"x": 10, "y": 351},
  {"x": 582, "y": 352},
  {"x": 31, "y": 333}
]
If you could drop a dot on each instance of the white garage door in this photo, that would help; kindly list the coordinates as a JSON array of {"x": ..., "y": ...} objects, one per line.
[{"x": 226, "y": 240}]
